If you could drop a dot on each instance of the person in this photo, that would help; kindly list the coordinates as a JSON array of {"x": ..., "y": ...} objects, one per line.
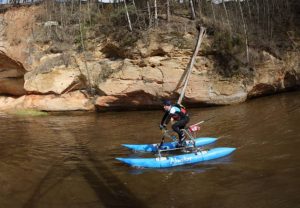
[{"x": 178, "y": 114}]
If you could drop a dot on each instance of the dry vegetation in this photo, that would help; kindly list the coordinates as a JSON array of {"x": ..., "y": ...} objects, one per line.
[
  {"x": 235, "y": 26},
  {"x": 271, "y": 23}
]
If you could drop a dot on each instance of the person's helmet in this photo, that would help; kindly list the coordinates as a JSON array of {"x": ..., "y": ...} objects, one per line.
[{"x": 167, "y": 102}]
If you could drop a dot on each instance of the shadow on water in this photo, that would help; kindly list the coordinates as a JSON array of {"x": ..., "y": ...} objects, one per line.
[
  {"x": 110, "y": 191},
  {"x": 38, "y": 193}
]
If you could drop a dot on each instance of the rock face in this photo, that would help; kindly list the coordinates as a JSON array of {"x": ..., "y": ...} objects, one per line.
[
  {"x": 275, "y": 75},
  {"x": 17, "y": 28},
  {"x": 58, "y": 81},
  {"x": 67, "y": 102},
  {"x": 11, "y": 76},
  {"x": 139, "y": 77},
  {"x": 133, "y": 86}
]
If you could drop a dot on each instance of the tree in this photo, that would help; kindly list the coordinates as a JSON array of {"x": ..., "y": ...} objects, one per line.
[
  {"x": 245, "y": 31},
  {"x": 192, "y": 10},
  {"x": 155, "y": 13},
  {"x": 168, "y": 10},
  {"x": 127, "y": 15}
]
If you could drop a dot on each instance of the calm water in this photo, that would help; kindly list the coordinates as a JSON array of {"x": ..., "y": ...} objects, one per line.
[{"x": 68, "y": 160}]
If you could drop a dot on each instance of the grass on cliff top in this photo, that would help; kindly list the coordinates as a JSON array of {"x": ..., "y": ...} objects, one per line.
[{"x": 30, "y": 112}]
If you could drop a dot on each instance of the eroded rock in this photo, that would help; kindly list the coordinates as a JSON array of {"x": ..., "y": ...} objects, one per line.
[
  {"x": 11, "y": 76},
  {"x": 57, "y": 81},
  {"x": 67, "y": 102}
]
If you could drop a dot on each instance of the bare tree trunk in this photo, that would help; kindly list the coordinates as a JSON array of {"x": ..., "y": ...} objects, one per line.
[
  {"x": 53, "y": 7},
  {"x": 168, "y": 10},
  {"x": 89, "y": 12},
  {"x": 127, "y": 15},
  {"x": 272, "y": 15},
  {"x": 199, "y": 8},
  {"x": 227, "y": 17},
  {"x": 46, "y": 10},
  {"x": 264, "y": 17},
  {"x": 133, "y": 2},
  {"x": 204, "y": 6},
  {"x": 249, "y": 9},
  {"x": 66, "y": 11},
  {"x": 101, "y": 4},
  {"x": 155, "y": 13},
  {"x": 149, "y": 14},
  {"x": 98, "y": 6},
  {"x": 278, "y": 7},
  {"x": 269, "y": 20},
  {"x": 192, "y": 10},
  {"x": 245, "y": 31},
  {"x": 191, "y": 64},
  {"x": 213, "y": 11},
  {"x": 235, "y": 19},
  {"x": 72, "y": 6},
  {"x": 135, "y": 9},
  {"x": 257, "y": 9},
  {"x": 61, "y": 14},
  {"x": 287, "y": 5}
]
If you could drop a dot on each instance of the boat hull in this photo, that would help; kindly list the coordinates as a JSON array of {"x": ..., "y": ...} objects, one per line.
[
  {"x": 171, "y": 161},
  {"x": 169, "y": 145}
]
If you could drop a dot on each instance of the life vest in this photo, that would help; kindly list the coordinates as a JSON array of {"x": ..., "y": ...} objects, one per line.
[
  {"x": 178, "y": 112},
  {"x": 182, "y": 108}
]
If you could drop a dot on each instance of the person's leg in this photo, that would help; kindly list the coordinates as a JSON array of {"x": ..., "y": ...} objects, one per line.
[
  {"x": 177, "y": 127},
  {"x": 183, "y": 122}
]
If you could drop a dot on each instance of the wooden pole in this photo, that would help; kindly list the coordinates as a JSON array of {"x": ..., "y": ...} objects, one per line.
[
  {"x": 191, "y": 64},
  {"x": 83, "y": 50}
]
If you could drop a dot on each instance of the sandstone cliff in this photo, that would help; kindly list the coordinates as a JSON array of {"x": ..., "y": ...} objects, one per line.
[{"x": 38, "y": 75}]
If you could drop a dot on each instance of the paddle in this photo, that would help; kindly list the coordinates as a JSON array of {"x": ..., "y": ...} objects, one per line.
[{"x": 200, "y": 122}]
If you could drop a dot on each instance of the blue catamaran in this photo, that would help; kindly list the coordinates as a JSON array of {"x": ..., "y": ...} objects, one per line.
[
  {"x": 193, "y": 152},
  {"x": 198, "y": 142},
  {"x": 183, "y": 159}
]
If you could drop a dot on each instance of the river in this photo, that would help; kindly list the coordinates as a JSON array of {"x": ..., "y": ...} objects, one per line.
[{"x": 67, "y": 159}]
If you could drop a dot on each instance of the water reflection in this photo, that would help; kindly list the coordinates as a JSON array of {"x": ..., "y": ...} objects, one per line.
[{"x": 193, "y": 169}]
